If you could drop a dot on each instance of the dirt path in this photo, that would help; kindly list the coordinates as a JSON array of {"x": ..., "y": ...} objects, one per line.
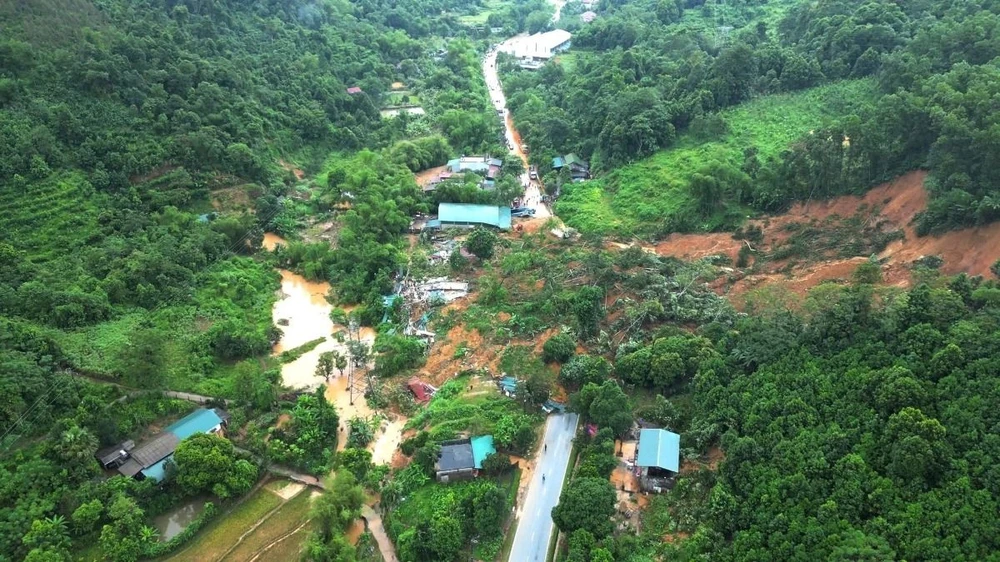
[{"x": 378, "y": 531}]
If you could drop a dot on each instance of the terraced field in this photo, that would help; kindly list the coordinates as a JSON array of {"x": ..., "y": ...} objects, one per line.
[{"x": 50, "y": 218}]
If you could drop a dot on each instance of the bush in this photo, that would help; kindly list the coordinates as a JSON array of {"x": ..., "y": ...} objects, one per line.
[
  {"x": 496, "y": 464},
  {"x": 558, "y": 349}
]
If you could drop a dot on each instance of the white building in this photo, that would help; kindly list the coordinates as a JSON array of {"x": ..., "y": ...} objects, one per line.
[{"x": 539, "y": 47}]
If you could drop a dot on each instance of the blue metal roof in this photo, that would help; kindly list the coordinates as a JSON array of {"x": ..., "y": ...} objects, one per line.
[
  {"x": 464, "y": 213},
  {"x": 482, "y": 447},
  {"x": 157, "y": 471},
  {"x": 659, "y": 448},
  {"x": 198, "y": 421},
  {"x": 558, "y": 162},
  {"x": 509, "y": 384}
]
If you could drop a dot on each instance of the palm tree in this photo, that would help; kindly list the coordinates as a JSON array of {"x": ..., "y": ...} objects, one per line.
[{"x": 76, "y": 445}]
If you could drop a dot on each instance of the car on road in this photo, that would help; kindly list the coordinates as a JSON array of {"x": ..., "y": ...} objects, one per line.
[{"x": 533, "y": 173}]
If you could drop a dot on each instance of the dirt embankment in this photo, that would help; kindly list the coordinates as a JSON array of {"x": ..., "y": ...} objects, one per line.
[{"x": 887, "y": 211}]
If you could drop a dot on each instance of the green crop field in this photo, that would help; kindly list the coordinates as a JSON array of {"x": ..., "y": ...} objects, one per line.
[
  {"x": 49, "y": 218},
  {"x": 636, "y": 198},
  {"x": 289, "y": 517},
  {"x": 212, "y": 542}
]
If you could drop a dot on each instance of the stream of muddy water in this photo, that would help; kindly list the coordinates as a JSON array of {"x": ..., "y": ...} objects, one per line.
[{"x": 303, "y": 315}]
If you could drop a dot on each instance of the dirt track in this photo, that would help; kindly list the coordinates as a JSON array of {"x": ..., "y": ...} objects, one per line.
[{"x": 971, "y": 250}]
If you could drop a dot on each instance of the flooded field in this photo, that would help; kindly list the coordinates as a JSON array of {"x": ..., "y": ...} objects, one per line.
[{"x": 171, "y": 523}]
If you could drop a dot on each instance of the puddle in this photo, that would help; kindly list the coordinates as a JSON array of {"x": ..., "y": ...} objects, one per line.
[
  {"x": 355, "y": 530},
  {"x": 271, "y": 240},
  {"x": 171, "y": 523}
]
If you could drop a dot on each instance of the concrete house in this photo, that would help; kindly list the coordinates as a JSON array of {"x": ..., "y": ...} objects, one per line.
[{"x": 462, "y": 459}]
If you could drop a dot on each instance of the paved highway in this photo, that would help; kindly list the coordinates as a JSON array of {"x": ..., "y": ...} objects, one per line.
[{"x": 534, "y": 527}]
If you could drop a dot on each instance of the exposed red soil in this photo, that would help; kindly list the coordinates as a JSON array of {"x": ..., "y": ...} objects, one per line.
[
  {"x": 894, "y": 205},
  {"x": 299, "y": 174},
  {"x": 424, "y": 177},
  {"x": 711, "y": 462}
]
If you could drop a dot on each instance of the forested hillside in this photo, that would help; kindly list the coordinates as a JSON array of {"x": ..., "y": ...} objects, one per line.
[
  {"x": 647, "y": 76},
  {"x": 144, "y": 149}
]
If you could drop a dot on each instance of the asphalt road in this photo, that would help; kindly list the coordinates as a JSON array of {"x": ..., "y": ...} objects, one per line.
[{"x": 534, "y": 527}]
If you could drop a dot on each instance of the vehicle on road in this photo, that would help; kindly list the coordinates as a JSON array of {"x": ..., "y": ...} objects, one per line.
[{"x": 533, "y": 173}]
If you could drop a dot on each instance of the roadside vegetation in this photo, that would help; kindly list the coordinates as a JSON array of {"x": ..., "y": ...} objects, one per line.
[{"x": 675, "y": 80}]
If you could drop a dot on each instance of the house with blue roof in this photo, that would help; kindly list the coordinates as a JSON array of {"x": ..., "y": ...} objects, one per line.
[
  {"x": 150, "y": 459},
  {"x": 466, "y": 215},
  {"x": 658, "y": 459}
]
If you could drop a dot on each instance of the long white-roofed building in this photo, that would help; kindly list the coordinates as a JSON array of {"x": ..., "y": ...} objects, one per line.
[{"x": 535, "y": 50}]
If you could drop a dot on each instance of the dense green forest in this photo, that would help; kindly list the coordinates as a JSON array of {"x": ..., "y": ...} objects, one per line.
[
  {"x": 648, "y": 76},
  {"x": 146, "y": 146}
]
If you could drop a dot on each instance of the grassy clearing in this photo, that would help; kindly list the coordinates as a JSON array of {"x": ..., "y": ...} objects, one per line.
[
  {"x": 226, "y": 529},
  {"x": 292, "y": 514},
  {"x": 451, "y": 412},
  {"x": 482, "y": 15},
  {"x": 635, "y": 198}
]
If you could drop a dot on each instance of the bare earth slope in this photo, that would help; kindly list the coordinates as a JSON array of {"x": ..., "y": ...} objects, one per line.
[{"x": 886, "y": 208}]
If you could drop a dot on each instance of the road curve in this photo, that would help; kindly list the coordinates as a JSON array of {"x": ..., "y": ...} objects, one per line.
[{"x": 534, "y": 527}]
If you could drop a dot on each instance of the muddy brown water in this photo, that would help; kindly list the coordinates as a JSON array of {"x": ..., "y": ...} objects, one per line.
[
  {"x": 171, "y": 523},
  {"x": 304, "y": 316}
]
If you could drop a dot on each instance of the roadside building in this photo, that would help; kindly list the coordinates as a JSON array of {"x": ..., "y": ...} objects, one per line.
[
  {"x": 150, "y": 459},
  {"x": 461, "y": 459},
  {"x": 465, "y": 215},
  {"x": 658, "y": 459},
  {"x": 579, "y": 169},
  {"x": 485, "y": 166},
  {"x": 535, "y": 50}
]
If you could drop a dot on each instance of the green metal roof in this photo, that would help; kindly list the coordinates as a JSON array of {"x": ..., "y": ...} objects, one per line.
[
  {"x": 198, "y": 421},
  {"x": 659, "y": 448},
  {"x": 158, "y": 471},
  {"x": 464, "y": 213},
  {"x": 482, "y": 447}
]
